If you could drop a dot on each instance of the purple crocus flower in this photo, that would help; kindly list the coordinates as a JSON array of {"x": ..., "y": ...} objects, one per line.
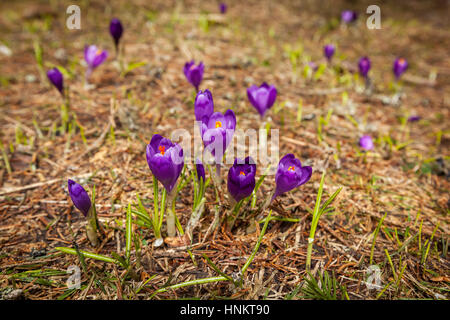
[
  {"x": 313, "y": 66},
  {"x": 223, "y": 7},
  {"x": 348, "y": 16},
  {"x": 94, "y": 57},
  {"x": 165, "y": 160},
  {"x": 200, "y": 170},
  {"x": 79, "y": 197},
  {"x": 56, "y": 78},
  {"x": 290, "y": 174},
  {"x": 366, "y": 142},
  {"x": 364, "y": 66},
  {"x": 329, "y": 51},
  {"x": 414, "y": 118},
  {"x": 217, "y": 132},
  {"x": 194, "y": 73},
  {"x": 116, "y": 30},
  {"x": 400, "y": 66},
  {"x": 204, "y": 105},
  {"x": 241, "y": 178},
  {"x": 262, "y": 98}
]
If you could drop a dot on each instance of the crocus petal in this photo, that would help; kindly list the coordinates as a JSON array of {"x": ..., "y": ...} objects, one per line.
[
  {"x": 262, "y": 98},
  {"x": 204, "y": 105},
  {"x": 56, "y": 78},
  {"x": 165, "y": 160},
  {"x": 365, "y": 142},
  {"x": 290, "y": 174},
  {"x": 116, "y": 30},
  {"x": 241, "y": 178},
  {"x": 79, "y": 197}
]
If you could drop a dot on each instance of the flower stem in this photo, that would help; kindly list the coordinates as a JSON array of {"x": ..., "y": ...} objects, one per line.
[{"x": 156, "y": 217}]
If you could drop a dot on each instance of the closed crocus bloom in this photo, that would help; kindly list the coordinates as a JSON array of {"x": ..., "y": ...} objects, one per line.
[
  {"x": 79, "y": 197},
  {"x": 116, "y": 30},
  {"x": 262, "y": 98},
  {"x": 165, "y": 160},
  {"x": 241, "y": 178},
  {"x": 56, "y": 78},
  {"x": 366, "y": 142},
  {"x": 364, "y": 66},
  {"x": 329, "y": 51},
  {"x": 200, "y": 170},
  {"x": 204, "y": 105},
  {"x": 400, "y": 66},
  {"x": 223, "y": 7},
  {"x": 313, "y": 65},
  {"x": 290, "y": 174},
  {"x": 94, "y": 56},
  {"x": 413, "y": 118},
  {"x": 194, "y": 73},
  {"x": 348, "y": 16},
  {"x": 217, "y": 132}
]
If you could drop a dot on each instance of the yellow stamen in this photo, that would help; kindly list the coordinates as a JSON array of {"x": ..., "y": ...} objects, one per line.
[
  {"x": 162, "y": 149},
  {"x": 292, "y": 168},
  {"x": 401, "y": 61},
  {"x": 242, "y": 173},
  {"x": 218, "y": 124},
  {"x": 99, "y": 52}
]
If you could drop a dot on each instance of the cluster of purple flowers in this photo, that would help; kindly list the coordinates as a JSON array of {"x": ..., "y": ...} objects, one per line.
[
  {"x": 93, "y": 56},
  {"x": 166, "y": 159}
]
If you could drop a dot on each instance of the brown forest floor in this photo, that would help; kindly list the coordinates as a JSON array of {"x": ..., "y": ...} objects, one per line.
[{"x": 250, "y": 44}]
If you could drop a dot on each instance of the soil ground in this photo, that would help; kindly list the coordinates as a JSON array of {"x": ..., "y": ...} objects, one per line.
[{"x": 405, "y": 178}]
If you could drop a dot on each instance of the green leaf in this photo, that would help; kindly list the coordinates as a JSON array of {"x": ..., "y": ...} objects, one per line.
[
  {"x": 87, "y": 254},
  {"x": 129, "y": 233}
]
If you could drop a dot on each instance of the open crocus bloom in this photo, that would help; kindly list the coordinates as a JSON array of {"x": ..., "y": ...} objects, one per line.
[
  {"x": 193, "y": 73},
  {"x": 290, "y": 174},
  {"x": 262, "y": 98},
  {"x": 94, "y": 56},
  {"x": 241, "y": 178},
  {"x": 400, "y": 66},
  {"x": 217, "y": 132},
  {"x": 79, "y": 197},
  {"x": 165, "y": 160}
]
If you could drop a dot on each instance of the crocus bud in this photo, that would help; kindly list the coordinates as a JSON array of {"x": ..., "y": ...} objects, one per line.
[
  {"x": 94, "y": 57},
  {"x": 366, "y": 142},
  {"x": 223, "y": 7},
  {"x": 290, "y": 174},
  {"x": 116, "y": 30},
  {"x": 200, "y": 170},
  {"x": 193, "y": 73},
  {"x": 79, "y": 197},
  {"x": 364, "y": 66},
  {"x": 400, "y": 66},
  {"x": 165, "y": 160},
  {"x": 262, "y": 98},
  {"x": 56, "y": 78},
  {"x": 204, "y": 105},
  {"x": 241, "y": 178},
  {"x": 413, "y": 118},
  {"x": 348, "y": 16},
  {"x": 313, "y": 66},
  {"x": 329, "y": 51},
  {"x": 217, "y": 132}
]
